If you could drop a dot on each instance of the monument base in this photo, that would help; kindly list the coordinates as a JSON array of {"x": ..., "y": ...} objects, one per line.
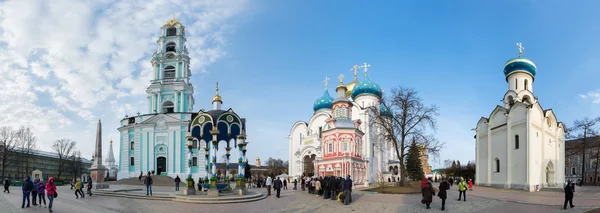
[
  {"x": 189, "y": 191},
  {"x": 100, "y": 185},
  {"x": 240, "y": 191},
  {"x": 213, "y": 192}
]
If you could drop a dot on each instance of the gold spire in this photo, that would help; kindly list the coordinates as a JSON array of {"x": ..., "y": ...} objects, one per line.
[
  {"x": 217, "y": 96},
  {"x": 173, "y": 22}
]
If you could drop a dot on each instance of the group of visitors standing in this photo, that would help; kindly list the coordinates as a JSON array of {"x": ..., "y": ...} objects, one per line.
[
  {"x": 428, "y": 191},
  {"x": 277, "y": 186},
  {"x": 330, "y": 188},
  {"x": 36, "y": 191}
]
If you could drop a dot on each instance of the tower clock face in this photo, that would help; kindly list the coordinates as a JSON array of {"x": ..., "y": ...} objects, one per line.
[{"x": 170, "y": 55}]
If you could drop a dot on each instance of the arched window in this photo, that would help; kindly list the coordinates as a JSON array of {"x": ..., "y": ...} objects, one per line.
[
  {"x": 168, "y": 107},
  {"x": 132, "y": 143},
  {"x": 172, "y": 31},
  {"x": 516, "y": 141},
  {"x": 573, "y": 171},
  {"x": 169, "y": 72},
  {"x": 194, "y": 161},
  {"x": 194, "y": 144},
  {"x": 131, "y": 161},
  {"x": 171, "y": 47},
  {"x": 330, "y": 147},
  {"x": 526, "y": 86},
  {"x": 345, "y": 146},
  {"x": 516, "y": 83},
  {"x": 497, "y": 161}
]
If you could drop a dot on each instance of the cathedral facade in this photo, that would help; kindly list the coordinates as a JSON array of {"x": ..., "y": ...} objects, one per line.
[
  {"x": 156, "y": 141},
  {"x": 339, "y": 139},
  {"x": 520, "y": 145}
]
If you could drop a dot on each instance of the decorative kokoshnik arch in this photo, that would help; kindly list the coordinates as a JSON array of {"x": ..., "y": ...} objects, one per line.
[{"x": 214, "y": 126}]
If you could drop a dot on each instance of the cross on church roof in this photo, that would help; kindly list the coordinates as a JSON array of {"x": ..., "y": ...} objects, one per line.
[
  {"x": 341, "y": 77},
  {"x": 365, "y": 66},
  {"x": 325, "y": 81},
  {"x": 521, "y": 48},
  {"x": 354, "y": 68}
]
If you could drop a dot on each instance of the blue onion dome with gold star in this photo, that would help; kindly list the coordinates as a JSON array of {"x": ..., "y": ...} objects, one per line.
[
  {"x": 384, "y": 111},
  {"x": 324, "y": 102},
  {"x": 520, "y": 64},
  {"x": 366, "y": 87}
]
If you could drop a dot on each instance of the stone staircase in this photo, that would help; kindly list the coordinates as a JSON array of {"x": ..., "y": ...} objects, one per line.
[{"x": 157, "y": 180}]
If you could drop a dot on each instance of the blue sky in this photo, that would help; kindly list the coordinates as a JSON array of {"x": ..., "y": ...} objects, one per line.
[{"x": 270, "y": 58}]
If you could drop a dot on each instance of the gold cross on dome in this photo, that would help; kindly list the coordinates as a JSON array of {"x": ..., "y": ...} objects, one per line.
[
  {"x": 326, "y": 81},
  {"x": 341, "y": 77},
  {"x": 521, "y": 48},
  {"x": 365, "y": 66},
  {"x": 354, "y": 68}
]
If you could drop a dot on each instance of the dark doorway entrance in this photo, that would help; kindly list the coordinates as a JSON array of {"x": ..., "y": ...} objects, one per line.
[
  {"x": 161, "y": 165},
  {"x": 309, "y": 167}
]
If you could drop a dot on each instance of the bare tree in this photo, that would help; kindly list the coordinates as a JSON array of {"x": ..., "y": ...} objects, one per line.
[
  {"x": 63, "y": 148},
  {"x": 8, "y": 143},
  {"x": 410, "y": 118},
  {"x": 585, "y": 130},
  {"x": 27, "y": 143},
  {"x": 77, "y": 166}
]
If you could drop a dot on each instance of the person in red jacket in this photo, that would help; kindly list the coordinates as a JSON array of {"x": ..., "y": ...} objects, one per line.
[
  {"x": 50, "y": 191},
  {"x": 470, "y": 184}
]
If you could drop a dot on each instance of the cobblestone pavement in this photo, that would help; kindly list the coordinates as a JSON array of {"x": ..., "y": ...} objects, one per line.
[
  {"x": 584, "y": 196},
  {"x": 290, "y": 202}
]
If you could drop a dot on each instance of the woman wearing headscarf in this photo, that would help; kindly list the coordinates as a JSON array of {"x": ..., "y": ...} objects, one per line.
[
  {"x": 428, "y": 193},
  {"x": 50, "y": 191},
  {"x": 423, "y": 183}
]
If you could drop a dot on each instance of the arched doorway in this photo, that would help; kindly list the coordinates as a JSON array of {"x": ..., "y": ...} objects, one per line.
[
  {"x": 309, "y": 166},
  {"x": 550, "y": 174},
  {"x": 161, "y": 165}
]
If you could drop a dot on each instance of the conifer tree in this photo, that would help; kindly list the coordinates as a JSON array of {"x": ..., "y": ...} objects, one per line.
[{"x": 413, "y": 163}]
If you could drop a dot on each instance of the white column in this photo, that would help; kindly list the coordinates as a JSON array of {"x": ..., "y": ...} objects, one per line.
[{"x": 509, "y": 145}]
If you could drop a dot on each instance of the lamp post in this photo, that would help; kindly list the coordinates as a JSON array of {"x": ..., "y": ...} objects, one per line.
[{"x": 190, "y": 190}]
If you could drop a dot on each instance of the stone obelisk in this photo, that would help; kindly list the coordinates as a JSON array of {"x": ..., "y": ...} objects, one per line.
[{"x": 98, "y": 170}]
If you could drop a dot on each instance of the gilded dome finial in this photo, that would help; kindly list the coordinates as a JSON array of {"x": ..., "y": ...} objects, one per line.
[
  {"x": 521, "y": 48},
  {"x": 217, "y": 96},
  {"x": 354, "y": 68},
  {"x": 173, "y": 22}
]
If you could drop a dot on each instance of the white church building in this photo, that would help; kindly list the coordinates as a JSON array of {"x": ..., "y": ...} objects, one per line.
[
  {"x": 155, "y": 141},
  {"x": 338, "y": 139},
  {"x": 520, "y": 145}
]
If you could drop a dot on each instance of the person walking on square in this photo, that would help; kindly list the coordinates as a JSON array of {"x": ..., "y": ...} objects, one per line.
[
  {"x": 428, "y": 192},
  {"x": 470, "y": 184},
  {"x": 41, "y": 189},
  {"x": 284, "y": 184},
  {"x": 148, "y": 182},
  {"x": 72, "y": 183},
  {"x": 348, "y": 190},
  {"x": 200, "y": 184},
  {"x": 89, "y": 187},
  {"x": 333, "y": 187},
  {"x": 34, "y": 192},
  {"x": 295, "y": 184},
  {"x": 269, "y": 183},
  {"x": 27, "y": 188},
  {"x": 140, "y": 177},
  {"x": 50, "y": 192},
  {"x": 6, "y": 185},
  {"x": 568, "y": 195},
  {"x": 462, "y": 189},
  {"x": 77, "y": 189},
  {"x": 177, "y": 181},
  {"x": 277, "y": 186},
  {"x": 442, "y": 194},
  {"x": 302, "y": 183}
]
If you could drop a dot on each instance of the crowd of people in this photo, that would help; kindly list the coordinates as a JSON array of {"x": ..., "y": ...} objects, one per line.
[
  {"x": 35, "y": 192},
  {"x": 428, "y": 191},
  {"x": 329, "y": 187}
]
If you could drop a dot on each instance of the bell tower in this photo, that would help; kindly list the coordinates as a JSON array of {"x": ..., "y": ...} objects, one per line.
[{"x": 170, "y": 90}]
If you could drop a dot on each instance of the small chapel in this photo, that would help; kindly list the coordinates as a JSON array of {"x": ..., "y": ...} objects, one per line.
[{"x": 520, "y": 145}]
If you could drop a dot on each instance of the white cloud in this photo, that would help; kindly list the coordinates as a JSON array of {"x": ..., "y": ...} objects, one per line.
[
  {"x": 593, "y": 96},
  {"x": 90, "y": 60}
]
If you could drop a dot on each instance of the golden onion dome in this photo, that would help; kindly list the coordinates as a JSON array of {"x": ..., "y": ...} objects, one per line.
[
  {"x": 349, "y": 87},
  {"x": 217, "y": 97}
]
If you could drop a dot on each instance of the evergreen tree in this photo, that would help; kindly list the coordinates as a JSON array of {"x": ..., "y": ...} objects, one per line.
[
  {"x": 413, "y": 163},
  {"x": 453, "y": 169}
]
